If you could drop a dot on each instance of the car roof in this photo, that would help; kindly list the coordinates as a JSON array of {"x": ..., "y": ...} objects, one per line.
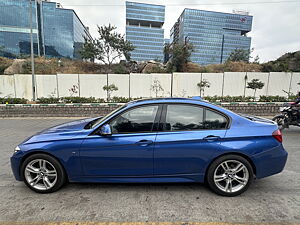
[{"x": 194, "y": 100}]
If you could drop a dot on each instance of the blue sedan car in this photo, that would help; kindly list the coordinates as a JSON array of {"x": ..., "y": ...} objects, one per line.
[{"x": 154, "y": 140}]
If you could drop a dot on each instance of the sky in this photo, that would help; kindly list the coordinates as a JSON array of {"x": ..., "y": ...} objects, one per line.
[{"x": 275, "y": 28}]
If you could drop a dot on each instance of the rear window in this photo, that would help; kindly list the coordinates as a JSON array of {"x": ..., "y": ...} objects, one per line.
[
  {"x": 181, "y": 117},
  {"x": 214, "y": 121}
]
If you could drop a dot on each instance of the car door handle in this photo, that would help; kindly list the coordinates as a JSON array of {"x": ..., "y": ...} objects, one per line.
[
  {"x": 144, "y": 142},
  {"x": 211, "y": 138}
]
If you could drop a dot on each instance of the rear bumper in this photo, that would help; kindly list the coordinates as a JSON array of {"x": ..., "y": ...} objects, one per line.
[{"x": 270, "y": 162}]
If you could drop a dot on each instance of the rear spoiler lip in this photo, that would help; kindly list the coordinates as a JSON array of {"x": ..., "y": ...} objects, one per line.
[{"x": 257, "y": 118}]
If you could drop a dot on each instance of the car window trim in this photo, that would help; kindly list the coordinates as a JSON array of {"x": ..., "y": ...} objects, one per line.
[{"x": 164, "y": 116}]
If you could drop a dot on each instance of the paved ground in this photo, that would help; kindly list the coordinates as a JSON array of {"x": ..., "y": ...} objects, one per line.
[{"x": 273, "y": 199}]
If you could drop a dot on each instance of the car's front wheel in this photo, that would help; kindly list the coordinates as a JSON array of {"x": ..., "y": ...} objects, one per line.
[
  {"x": 43, "y": 173},
  {"x": 230, "y": 175}
]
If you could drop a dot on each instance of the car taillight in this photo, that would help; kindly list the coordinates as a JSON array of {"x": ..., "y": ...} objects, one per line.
[{"x": 277, "y": 135}]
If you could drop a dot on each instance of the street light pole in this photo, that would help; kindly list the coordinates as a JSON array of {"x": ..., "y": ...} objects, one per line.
[
  {"x": 222, "y": 50},
  {"x": 32, "y": 53}
]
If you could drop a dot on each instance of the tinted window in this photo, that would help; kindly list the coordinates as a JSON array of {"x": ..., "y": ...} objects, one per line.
[
  {"x": 214, "y": 121},
  {"x": 184, "y": 117},
  {"x": 137, "y": 120}
]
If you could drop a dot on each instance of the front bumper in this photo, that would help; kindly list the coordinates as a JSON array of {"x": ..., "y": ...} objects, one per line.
[
  {"x": 270, "y": 162},
  {"x": 15, "y": 162}
]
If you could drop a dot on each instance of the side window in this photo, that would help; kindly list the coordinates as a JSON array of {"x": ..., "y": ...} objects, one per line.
[
  {"x": 184, "y": 117},
  {"x": 136, "y": 120},
  {"x": 214, "y": 121},
  {"x": 188, "y": 117}
]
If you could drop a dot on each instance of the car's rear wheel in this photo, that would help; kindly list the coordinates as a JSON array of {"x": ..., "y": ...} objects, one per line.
[
  {"x": 230, "y": 175},
  {"x": 43, "y": 173}
]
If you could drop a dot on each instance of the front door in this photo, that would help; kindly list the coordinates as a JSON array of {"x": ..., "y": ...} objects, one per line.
[{"x": 128, "y": 151}]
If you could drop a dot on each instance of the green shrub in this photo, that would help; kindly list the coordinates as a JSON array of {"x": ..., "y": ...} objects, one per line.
[
  {"x": 48, "y": 100},
  {"x": 276, "y": 98},
  {"x": 13, "y": 101},
  {"x": 81, "y": 100},
  {"x": 228, "y": 98},
  {"x": 120, "y": 99},
  {"x": 249, "y": 99},
  {"x": 292, "y": 97}
]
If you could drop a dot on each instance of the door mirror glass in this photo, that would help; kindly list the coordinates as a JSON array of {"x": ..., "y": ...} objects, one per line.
[{"x": 105, "y": 130}]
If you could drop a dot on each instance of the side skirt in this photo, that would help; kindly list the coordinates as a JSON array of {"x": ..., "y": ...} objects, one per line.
[{"x": 182, "y": 178}]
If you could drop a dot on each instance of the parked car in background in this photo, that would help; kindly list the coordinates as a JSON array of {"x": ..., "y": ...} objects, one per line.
[{"x": 154, "y": 140}]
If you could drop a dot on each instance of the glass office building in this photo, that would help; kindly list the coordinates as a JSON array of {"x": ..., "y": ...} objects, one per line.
[
  {"x": 214, "y": 35},
  {"x": 144, "y": 30},
  {"x": 57, "y": 32}
]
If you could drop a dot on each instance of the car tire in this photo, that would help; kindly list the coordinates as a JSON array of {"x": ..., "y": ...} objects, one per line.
[
  {"x": 229, "y": 175},
  {"x": 43, "y": 173}
]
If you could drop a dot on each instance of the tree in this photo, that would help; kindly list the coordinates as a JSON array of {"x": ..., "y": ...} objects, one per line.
[
  {"x": 239, "y": 55},
  {"x": 74, "y": 90},
  {"x": 202, "y": 85},
  {"x": 156, "y": 87},
  {"x": 112, "y": 45},
  {"x": 256, "y": 59},
  {"x": 109, "y": 89},
  {"x": 89, "y": 50},
  {"x": 179, "y": 56},
  {"x": 108, "y": 47},
  {"x": 255, "y": 84}
]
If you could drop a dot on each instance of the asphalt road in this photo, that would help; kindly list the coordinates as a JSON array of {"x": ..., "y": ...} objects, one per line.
[{"x": 273, "y": 199}]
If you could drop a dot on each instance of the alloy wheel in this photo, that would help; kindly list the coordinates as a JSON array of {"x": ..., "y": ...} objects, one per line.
[
  {"x": 40, "y": 174},
  {"x": 231, "y": 176}
]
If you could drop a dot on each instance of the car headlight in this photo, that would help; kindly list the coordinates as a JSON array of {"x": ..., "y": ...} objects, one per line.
[{"x": 17, "y": 149}]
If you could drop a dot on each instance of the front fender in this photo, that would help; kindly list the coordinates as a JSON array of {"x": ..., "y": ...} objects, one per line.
[{"x": 66, "y": 152}]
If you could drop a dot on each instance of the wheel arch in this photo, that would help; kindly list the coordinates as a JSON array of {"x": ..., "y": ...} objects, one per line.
[
  {"x": 232, "y": 153},
  {"x": 40, "y": 152}
]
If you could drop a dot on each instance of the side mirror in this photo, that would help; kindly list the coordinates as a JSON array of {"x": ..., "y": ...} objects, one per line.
[{"x": 105, "y": 130}]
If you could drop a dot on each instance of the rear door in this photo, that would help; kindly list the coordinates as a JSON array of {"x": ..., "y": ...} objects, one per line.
[{"x": 190, "y": 136}]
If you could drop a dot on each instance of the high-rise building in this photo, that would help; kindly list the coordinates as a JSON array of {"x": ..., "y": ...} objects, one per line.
[
  {"x": 57, "y": 32},
  {"x": 144, "y": 30},
  {"x": 214, "y": 35}
]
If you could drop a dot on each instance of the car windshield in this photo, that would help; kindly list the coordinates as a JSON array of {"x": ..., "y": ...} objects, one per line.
[{"x": 98, "y": 121}]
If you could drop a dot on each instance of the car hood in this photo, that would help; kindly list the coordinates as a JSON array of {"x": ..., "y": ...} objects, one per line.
[{"x": 61, "y": 132}]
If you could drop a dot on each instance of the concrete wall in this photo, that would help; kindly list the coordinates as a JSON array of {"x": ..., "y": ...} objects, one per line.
[
  {"x": 142, "y": 85},
  {"x": 122, "y": 82},
  {"x": 23, "y": 86},
  {"x": 295, "y": 83},
  {"x": 91, "y": 85},
  {"x": 278, "y": 82},
  {"x": 234, "y": 84},
  {"x": 46, "y": 86},
  {"x": 7, "y": 86},
  {"x": 216, "y": 83},
  {"x": 185, "y": 84},
  {"x": 66, "y": 82}
]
